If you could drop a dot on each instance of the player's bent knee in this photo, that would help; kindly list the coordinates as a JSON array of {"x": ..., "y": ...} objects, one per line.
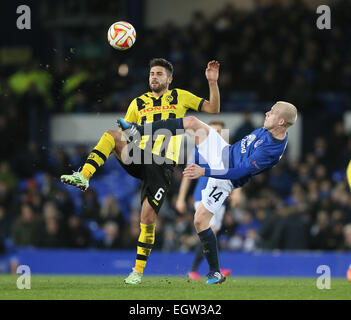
[
  {"x": 117, "y": 136},
  {"x": 197, "y": 223},
  {"x": 202, "y": 218},
  {"x": 113, "y": 133},
  {"x": 190, "y": 122},
  {"x": 195, "y": 127},
  {"x": 201, "y": 222},
  {"x": 148, "y": 218},
  {"x": 148, "y": 214}
]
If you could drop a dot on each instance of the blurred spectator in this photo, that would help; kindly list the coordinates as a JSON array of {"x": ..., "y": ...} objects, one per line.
[
  {"x": 229, "y": 226},
  {"x": 91, "y": 207},
  {"x": 292, "y": 230},
  {"x": 5, "y": 227},
  {"x": 7, "y": 147},
  {"x": 131, "y": 234},
  {"x": 48, "y": 187},
  {"x": 60, "y": 163},
  {"x": 51, "y": 235},
  {"x": 110, "y": 211},
  {"x": 245, "y": 236},
  {"x": 320, "y": 150},
  {"x": 280, "y": 180},
  {"x": 347, "y": 237},
  {"x": 244, "y": 129},
  {"x": 268, "y": 224},
  {"x": 112, "y": 236},
  {"x": 31, "y": 194},
  {"x": 337, "y": 237},
  {"x": 7, "y": 176},
  {"x": 26, "y": 228},
  {"x": 77, "y": 235},
  {"x": 336, "y": 142},
  {"x": 301, "y": 94},
  {"x": 5, "y": 195},
  {"x": 321, "y": 232},
  {"x": 64, "y": 203},
  {"x": 31, "y": 159},
  {"x": 35, "y": 109}
]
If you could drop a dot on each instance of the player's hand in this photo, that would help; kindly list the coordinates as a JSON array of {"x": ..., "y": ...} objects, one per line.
[
  {"x": 181, "y": 206},
  {"x": 193, "y": 171},
  {"x": 212, "y": 70}
]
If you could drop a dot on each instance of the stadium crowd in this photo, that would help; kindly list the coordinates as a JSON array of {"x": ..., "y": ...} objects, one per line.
[
  {"x": 295, "y": 206},
  {"x": 300, "y": 205}
]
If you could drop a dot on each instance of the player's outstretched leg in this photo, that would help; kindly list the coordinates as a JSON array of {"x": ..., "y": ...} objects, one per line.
[
  {"x": 209, "y": 244},
  {"x": 191, "y": 125},
  {"x": 110, "y": 141},
  {"x": 210, "y": 143}
]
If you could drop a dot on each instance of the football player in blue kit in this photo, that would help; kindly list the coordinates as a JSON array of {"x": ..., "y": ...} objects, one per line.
[
  {"x": 230, "y": 166},
  {"x": 217, "y": 219}
]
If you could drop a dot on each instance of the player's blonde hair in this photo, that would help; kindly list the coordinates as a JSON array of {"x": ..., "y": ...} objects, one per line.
[{"x": 288, "y": 112}]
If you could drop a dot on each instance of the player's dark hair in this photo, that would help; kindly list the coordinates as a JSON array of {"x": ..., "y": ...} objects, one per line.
[
  {"x": 160, "y": 62},
  {"x": 217, "y": 123}
]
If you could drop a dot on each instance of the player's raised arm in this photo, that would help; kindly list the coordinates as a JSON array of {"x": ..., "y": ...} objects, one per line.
[
  {"x": 194, "y": 171},
  {"x": 212, "y": 74}
]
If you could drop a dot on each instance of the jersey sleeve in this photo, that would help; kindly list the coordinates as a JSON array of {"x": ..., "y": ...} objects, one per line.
[
  {"x": 190, "y": 100},
  {"x": 259, "y": 161},
  {"x": 131, "y": 115}
]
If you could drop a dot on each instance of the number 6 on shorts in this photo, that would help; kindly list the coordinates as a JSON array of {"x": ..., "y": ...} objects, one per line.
[{"x": 159, "y": 194}]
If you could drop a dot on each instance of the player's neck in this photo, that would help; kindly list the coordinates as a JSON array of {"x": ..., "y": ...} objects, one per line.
[
  {"x": 159, "y": 94},
  {"x": 278, "y": 133}
]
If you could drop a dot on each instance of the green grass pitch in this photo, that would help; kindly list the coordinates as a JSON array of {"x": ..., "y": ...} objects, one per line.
[{"x": 44, "y": 287}]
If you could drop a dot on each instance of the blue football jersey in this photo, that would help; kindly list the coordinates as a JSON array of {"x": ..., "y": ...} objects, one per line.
[{"x": 255, "y": 153}]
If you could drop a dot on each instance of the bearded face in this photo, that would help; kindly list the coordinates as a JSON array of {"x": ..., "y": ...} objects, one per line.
[{"x": 159, "y": 79}]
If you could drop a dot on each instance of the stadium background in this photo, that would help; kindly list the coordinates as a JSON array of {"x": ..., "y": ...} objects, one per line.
[{"x": 64, "y": 68}]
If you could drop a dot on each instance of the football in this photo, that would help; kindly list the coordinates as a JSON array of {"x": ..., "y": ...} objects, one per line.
[{"x": 121, "y": 35}]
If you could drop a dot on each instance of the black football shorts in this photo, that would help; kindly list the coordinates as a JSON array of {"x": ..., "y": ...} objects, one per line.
[{"x": 156, "y": 180}]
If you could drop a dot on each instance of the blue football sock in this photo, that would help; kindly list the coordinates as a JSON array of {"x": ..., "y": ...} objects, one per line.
[{"x": 210, "y": 249}]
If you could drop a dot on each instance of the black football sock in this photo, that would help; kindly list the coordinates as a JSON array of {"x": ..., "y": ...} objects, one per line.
[
  {"x": 198, "y": 257},
  {"x": 210, "y": 249}
]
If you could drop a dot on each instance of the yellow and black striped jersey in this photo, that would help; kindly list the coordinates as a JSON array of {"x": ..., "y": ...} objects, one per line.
[
  {"x": 348, "y": 174},
  {"x": 173, "y": 104}
]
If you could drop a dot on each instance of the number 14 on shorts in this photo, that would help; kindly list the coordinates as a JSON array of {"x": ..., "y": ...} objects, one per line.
[{"x": 214, "y": 195}]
